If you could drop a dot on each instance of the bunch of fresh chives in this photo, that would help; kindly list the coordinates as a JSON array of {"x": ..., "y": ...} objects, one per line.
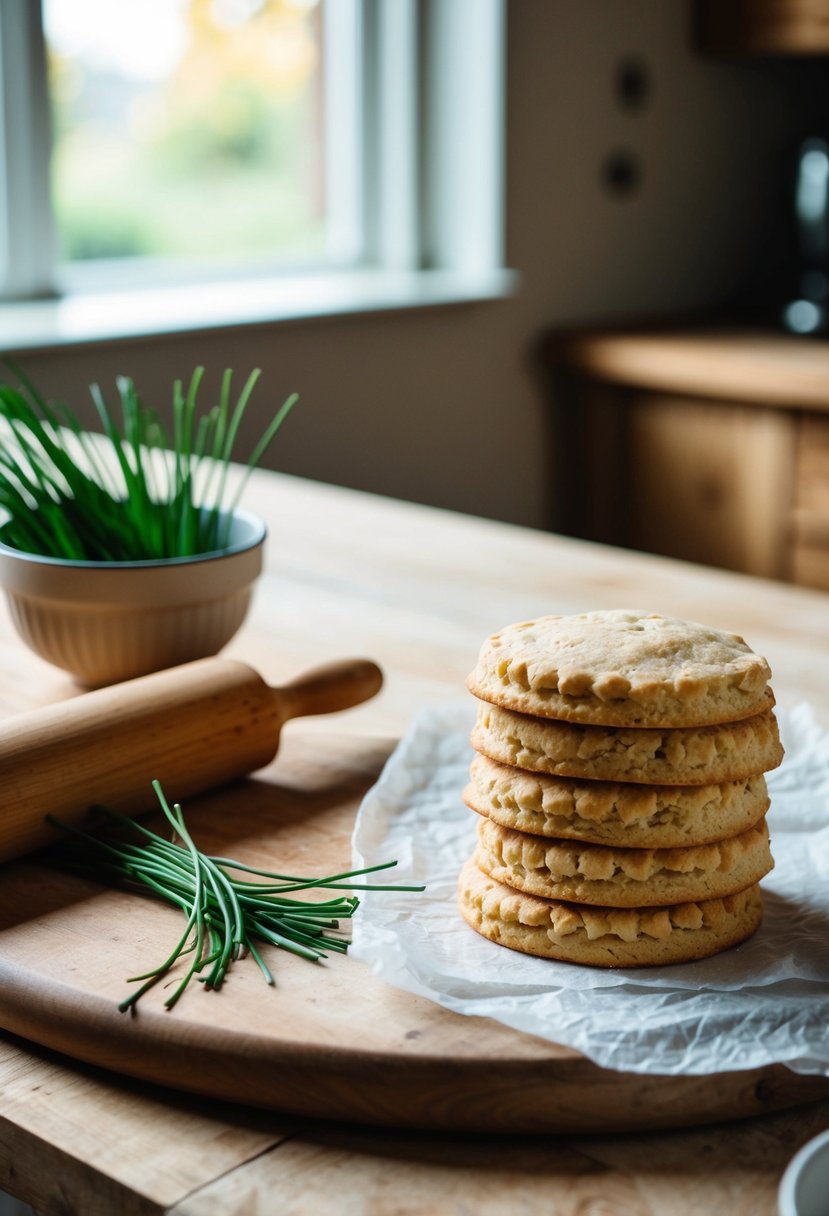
[
  {"x": 227, "y": 916},
  {"x": 141, "y": 492}
]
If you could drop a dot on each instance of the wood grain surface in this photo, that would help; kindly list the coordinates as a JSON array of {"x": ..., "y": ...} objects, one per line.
[
  {"x": 328, "y": 1041},
  {"x": 417, "y": 590},
  {"x": 755, "y": 367},
  {"x": 194, "y": 727},
  {"x": 74, "y": 1139}
]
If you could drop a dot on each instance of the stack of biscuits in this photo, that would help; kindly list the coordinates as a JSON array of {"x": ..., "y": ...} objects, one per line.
[{"x": 619, "y": 776}]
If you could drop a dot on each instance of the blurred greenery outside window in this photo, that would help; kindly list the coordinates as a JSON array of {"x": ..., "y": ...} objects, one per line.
[
  {"x": 187, "y": 129},
  {"x": 161, "y": 143}
]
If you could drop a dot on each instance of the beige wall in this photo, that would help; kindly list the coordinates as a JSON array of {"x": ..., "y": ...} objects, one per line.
[{"x": 443, "y": 405}]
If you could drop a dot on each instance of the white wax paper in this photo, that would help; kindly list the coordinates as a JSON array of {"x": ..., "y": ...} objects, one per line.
[{"x": 766, "y": 1001}]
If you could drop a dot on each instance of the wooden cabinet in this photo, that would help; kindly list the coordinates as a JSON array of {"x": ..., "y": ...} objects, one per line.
[
  {"x": 762, "y": 27},
  {"x": 810, "y": 522},
  {"x": 709, "y": 447},
  {"x": 708, "y": 480}
]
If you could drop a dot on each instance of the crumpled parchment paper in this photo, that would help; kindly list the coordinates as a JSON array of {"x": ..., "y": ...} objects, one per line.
[{"x": 766, "y": 1001}]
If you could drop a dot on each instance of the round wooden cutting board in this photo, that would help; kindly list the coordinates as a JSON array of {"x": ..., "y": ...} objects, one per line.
[{"x": 328, "y": 1041}]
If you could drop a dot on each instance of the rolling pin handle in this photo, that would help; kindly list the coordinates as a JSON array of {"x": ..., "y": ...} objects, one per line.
[{"x": 330, "y": 688}]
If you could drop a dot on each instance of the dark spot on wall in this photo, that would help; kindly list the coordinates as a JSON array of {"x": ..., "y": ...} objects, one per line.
[
  {"x": 632, "y": 83},
  {"x": 622, "y": 173}
]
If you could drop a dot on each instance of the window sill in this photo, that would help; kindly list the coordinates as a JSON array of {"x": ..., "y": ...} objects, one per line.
[{"x": 148, "y": 312}]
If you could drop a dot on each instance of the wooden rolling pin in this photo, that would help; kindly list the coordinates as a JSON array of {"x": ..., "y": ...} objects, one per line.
[{"x": 193, "y": 727}]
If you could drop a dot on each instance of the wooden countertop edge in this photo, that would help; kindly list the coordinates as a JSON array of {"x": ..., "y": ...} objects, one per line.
[
  {"x": 548, "y": 1093},
  {"x": 759, "y": 369},
  {"x": 39, "y": 1127}
]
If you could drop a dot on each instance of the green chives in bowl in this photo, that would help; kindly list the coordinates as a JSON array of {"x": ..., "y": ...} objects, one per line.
[
  {"x": 126, "y": 552},
  {"x": 144, "y": 490}
]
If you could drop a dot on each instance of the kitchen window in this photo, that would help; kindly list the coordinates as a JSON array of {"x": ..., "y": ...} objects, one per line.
[
  {"x": 312, "y": 155},
  {"x": 183, "y": 127}
]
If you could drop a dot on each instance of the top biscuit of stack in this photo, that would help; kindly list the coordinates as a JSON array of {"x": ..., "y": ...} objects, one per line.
[{"x": 622, "y": 668}]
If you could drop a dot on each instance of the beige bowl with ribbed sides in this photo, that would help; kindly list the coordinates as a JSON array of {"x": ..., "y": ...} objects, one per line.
[{"x": 109, "y": 621}]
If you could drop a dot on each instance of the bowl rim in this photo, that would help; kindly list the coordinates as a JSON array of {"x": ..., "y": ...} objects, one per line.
[
  {"x": 786, "y": 1193},
  {"x": 259, "y": 532}
]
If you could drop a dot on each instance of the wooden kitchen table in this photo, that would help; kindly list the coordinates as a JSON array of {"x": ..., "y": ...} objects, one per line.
[{"x": 417, "y": 590}]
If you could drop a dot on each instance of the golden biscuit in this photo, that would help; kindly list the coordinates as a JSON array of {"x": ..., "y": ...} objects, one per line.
[
  {"x": 605, "y": 937},
  {"x": 622, "y": 878},
  {"x": 604, "y": 812},
  {"x": 622, "y": 668},
  {"x": 704, "y": 755}
]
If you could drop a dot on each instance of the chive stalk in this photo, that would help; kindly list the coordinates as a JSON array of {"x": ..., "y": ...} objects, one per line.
[
  {"x": 226, "y": 916},
  {"x": 136, "y": 492}
]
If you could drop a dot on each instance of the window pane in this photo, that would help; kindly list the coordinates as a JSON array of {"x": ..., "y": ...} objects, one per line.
[{"x": 187, "y": 128}]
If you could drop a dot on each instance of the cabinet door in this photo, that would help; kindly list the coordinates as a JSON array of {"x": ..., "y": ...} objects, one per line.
[
  {"x": 711, "y": 482},
  {"x": 811, "y": 517}
]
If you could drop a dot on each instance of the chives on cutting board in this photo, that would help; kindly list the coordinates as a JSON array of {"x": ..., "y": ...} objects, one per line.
[{"x": 227, "y": 916}]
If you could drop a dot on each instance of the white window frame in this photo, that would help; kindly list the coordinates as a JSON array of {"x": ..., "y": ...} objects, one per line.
[
  {"x": 415, "y": 190},
  {"x": 27, "y": 235},
  {"x": 430, "y": 144}
]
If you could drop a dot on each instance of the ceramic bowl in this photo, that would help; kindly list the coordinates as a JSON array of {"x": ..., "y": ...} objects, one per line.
[
  {"x": 110, "y": 621},
  {"x": 804, "y": 1188}
]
